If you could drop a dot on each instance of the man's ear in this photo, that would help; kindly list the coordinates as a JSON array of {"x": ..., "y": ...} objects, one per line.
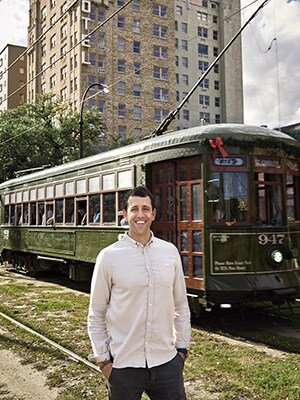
[{"x": 125, "y": 214}]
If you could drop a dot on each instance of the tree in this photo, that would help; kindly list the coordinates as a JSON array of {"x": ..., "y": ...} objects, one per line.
[{"x": 44, "y": 133}]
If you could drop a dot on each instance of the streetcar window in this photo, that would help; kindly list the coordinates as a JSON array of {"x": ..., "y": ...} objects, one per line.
[
  {"x": 41, "y": 214},
  {"x": 25, "y": 218},
  {"x": 59, "y": 211},
  {"x": 290, "y": 197},
  {"x": 48, "y": 218},
  {"x": 268, "y": 198},
  {"x": 81, "y": 208},
  {"x": 121, "y": 205},
  {"x": 230, "y": 202},
  {"x": 196, "y": 202},
  {"x": 19, "y": 215},
  {"x": 183, "y": 203},
  {"x": 94, "y": 209},
  {"x": 13, "y": 215},
  {"x": 6, "y": 214},
  {"x": 69, "y": 213},
  {"x": 32, "y": 214},
  {"x": 109, "y": 208}
]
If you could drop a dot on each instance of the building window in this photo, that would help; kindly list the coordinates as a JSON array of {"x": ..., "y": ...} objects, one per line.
[
  {"x": 137, "y": 90},
  {"x": 215, "y": 19},
  {"x": 63, "y": 73},
  {"x": 202, "y": 65},
  {"x": 121, "y": 66},
  {"x": 101, "y": 41},
  {"x": 204, "y": 84},
  {"x": 101, "y": 106},
  {"x": 121, "y": 88},
  {"x": 64, "y": 94},
  {"x": 136, "y": 5},
  {"x": 52, "y": 81},
  {"x": 136, "y": 26},
  {"x": 216, "y": 85},
  {"x": 101, "y": 16},
  {"x": 178, "y": 10},
  {"x": 122, "y": 132},
  {"x": 159, "y": 11},
  {"x": 64, "y": 31},
  {"x": 63, "y": 50},
  {"x": 185, "y": 80},
  {"x": 160, "y": 114},
  {"x": 137, "y": 112},
  {"x": 203, "y": 100},
  {"x": 161, "y": 94},
  {"x": 216, "y": 52},
  {"x": 202, "y": 49},
  {"x": 160, "y": 52},
  {"x": 216, "y": 69},
  {"x": 217, "y": 118},
  {"x": 215, "y": 35},
  {"x": 184, "y": 27},
  {"x": 121, "y": 22},
  {"x": 52, "y": 60},
  {"x": 204, "y": 117},
  {"x": 137, "y": 69},
  {"x": 217, "y": 101},
  {"x": 160, "y": 31},
  {"x": 137, "y": 133},
  {"x": 53, "y": 41},
  {"x": 101, "y": 62},
  {"x": 185, "y": 62},
  {"x": 136, "y": 47},
  {"x": 202, "y": 32},
  {"x": 201, "y": 16},
  {"x": 184, "y": 44},
  {"x": 121, "y": 110},
  {"x": 185, "y": 115},
  {"x": 121, "y": 44},
  {"x": 160, "y": 73},
  {"x": 92, "y": 59}
]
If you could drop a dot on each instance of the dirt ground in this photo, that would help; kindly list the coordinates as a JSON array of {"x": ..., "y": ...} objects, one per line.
[{"x": 21, "y": 382}]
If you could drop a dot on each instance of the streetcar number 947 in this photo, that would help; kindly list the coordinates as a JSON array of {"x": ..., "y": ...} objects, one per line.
[{"x": 264, "y": 239}]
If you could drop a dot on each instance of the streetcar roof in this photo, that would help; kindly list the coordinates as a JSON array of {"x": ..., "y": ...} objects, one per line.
[{"x": 238, "y": 132}]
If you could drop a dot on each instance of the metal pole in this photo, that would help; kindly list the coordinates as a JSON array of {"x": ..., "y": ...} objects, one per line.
[{"x": 81, "y": 117}]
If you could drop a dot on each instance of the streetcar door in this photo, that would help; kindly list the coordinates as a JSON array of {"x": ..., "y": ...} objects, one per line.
[{"x": 177, "y": 187}]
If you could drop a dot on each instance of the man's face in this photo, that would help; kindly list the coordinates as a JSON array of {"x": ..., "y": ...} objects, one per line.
[{"x": 139, "y": 215}]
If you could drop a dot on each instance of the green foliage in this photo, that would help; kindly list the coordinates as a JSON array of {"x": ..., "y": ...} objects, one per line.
[{"x": 44, "y": 133}]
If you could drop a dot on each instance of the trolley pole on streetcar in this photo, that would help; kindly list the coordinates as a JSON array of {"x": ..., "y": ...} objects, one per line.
[{"x": 105, "y": 90}]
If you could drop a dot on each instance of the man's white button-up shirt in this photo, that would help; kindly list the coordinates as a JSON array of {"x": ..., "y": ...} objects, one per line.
[{"x": 138, "y": 310}]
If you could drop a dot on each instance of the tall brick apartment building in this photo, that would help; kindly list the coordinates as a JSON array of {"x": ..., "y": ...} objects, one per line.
[{"x": 143, "y": 60}]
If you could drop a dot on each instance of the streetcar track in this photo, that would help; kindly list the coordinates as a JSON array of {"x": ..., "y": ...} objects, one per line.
[{"x": 70, "y": 353}]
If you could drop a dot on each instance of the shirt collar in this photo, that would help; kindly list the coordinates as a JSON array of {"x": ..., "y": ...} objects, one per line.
[{"x": 135, "y": 243}]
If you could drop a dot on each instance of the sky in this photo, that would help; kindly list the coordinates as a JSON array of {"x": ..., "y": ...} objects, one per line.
[{"x": 271, "y": 57}]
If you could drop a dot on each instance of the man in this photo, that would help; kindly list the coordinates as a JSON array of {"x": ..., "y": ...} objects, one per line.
[{"x": 139, "y": 319}]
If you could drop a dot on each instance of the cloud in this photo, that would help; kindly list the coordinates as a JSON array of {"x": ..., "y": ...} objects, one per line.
[{"x": 271, "y": 94}]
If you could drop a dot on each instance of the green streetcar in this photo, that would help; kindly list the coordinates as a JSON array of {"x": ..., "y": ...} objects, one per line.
[{"x": 227, "y": 196}]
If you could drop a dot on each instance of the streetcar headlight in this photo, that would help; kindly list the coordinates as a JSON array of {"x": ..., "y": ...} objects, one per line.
[{"x": 276, "y": 256}]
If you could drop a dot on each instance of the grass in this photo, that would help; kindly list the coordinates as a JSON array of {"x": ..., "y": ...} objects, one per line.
[{"x": 216, "y": 369}]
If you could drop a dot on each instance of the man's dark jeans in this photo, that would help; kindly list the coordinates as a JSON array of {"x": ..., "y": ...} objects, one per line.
[{"x": 164, "y": 382}]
